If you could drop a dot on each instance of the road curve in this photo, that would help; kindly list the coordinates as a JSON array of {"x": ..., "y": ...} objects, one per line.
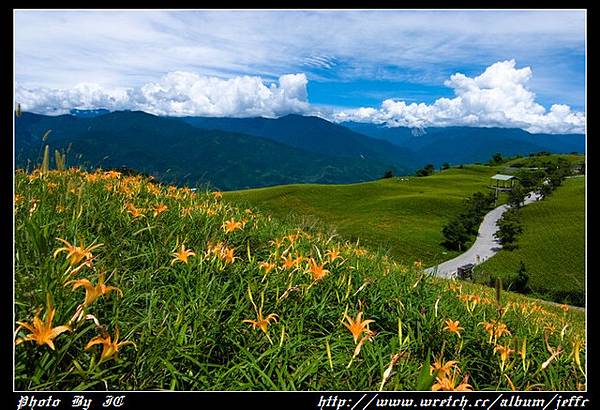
[{"x": 485, "y": 245}]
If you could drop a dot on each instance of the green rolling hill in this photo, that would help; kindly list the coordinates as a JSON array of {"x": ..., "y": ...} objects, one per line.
[
  {"x": 402, "y": 215},
  {"x": 552, "y": 246}
]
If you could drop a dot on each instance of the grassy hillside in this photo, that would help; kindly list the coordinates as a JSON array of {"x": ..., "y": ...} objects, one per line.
[
  {"x": 404, "y": 215},
  {"x": 543, "y": 161},
  {"x": 260, "y": 304},
  {"x": 552, "y": 245}
]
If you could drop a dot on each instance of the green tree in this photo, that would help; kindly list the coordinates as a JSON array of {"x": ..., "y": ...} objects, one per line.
[
  {"x": 521, "y": 281},
  {"x": 544, "y": 190},
  {"x": 509, "y": 228},
  {"x": 531, "y": 178},
  {"x": 455, "y": 235},
  {"x": 425, "y": 171},
  {"x": 516, "y": 196},
  {"x": 388, "y": 174},
  {"x": 445, "y": 165},
  {"x": 497, "y": 158}
]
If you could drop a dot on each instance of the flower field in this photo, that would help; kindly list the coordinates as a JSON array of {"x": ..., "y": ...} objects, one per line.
[{"x": 124, "y": 284}]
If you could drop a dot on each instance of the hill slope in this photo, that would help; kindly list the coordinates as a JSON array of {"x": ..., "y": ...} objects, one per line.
[
  {"x": 217, "y": 319},
  {"x": 179, "y": 153},
  {"x": 552, "y": 246},
  {"x": 402, "y": 215}
]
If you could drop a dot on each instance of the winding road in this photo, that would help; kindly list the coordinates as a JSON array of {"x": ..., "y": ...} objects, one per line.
[{"x": 485, "y": 245}]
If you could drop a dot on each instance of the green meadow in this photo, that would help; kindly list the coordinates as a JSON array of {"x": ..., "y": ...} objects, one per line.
[
  {"x": 552, "y": 246},
  {"x": 401, "y": 216}
]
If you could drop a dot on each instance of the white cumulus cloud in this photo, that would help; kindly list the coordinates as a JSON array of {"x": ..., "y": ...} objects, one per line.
[
  {"x": 497, "y": 98},
  {"x": 179, "y": 93}
]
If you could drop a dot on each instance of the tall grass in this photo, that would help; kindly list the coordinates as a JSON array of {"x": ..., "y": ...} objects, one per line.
[{"x": 187, "y": 320}]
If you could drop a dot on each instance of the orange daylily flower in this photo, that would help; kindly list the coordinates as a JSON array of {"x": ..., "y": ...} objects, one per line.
[
  {"x": 260, "y": 322},
  {"x": 217, "y": 194},
  {"x": 267, "y": 266},
  {"x": 501, "y": 330},
  {"x": 153, "y": 189},
  {"x": 92, "y": 177},
  {"x": 333, "y": 254},
  {"x": 318, "y": 272},
  {"x": 298, "y": 260},
  {"x": 276, "y": 243},
  {"x": 231, "y": 225},
  {"x": 159, "y": 209},
  {"x": 182, "y": 255},
  {"x": 357, "y": 326},
  {"x": 76, "y": 253},
  {"x": 441, "y": 369},
  {"x": 489, "y": 328},
  {"x": 215, "y": 249},
  {"x": 94, "y": 292},
  {"x": 135, "y": 212},
  {"x": 112, "y": 174},
  {"x": 504, "y": 351},
  {"x": 227, "y": 255},
  {"x": 453, "y": 327},
  {"x": 42, "y": 332},
  {"x": 292, "y": 238},
  {"x": 448, "y": 384},
  {"x": 110, "y": 347},
  {"x": 288, "y": 261}
]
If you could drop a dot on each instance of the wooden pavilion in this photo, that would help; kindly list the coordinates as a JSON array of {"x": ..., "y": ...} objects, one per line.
[{"x": 502, "y": 183}]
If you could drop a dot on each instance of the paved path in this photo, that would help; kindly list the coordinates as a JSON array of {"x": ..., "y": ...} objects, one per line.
[{"x": 485, "y": 245}]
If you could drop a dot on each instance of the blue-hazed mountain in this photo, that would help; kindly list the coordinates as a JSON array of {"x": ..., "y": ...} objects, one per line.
[
  {"x": 88, "y": 113},
  {"x": 176, "y": 152},
  {"x": 457, "y": 145},
  {"x": 314, "y": 134}
]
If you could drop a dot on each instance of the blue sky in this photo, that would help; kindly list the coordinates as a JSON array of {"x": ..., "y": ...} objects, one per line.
[{"x": 356, "y": 64}]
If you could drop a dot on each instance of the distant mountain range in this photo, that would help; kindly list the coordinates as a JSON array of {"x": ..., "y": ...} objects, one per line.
[
  {"x": 234, "y": 153},
  {"x": 312, "y": 134},
  {"x": 176, "y": 152},
  {"x": 88, "y": 113},
  {"x": 457, "y": 145}
]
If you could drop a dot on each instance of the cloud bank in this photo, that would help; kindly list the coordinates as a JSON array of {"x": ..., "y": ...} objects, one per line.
[
  {"x": 497, "y": 98},
  {"x": 178, "y": 94}
]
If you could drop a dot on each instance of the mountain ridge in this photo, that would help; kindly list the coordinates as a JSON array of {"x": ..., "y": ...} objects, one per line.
[
  {"x": 238, "y": 153},
  {"x": 179, "y": 153},
  {"x": 471, "y": 144},
  {"x": 311, "y": 134}
]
